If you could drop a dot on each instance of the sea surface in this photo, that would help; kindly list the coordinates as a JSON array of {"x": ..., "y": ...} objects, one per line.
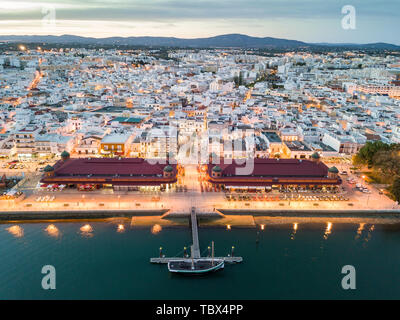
[{"x": 104, "y": 260}]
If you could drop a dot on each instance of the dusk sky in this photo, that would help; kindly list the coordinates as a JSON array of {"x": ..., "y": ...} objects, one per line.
[{"x": 305, "y": 20}]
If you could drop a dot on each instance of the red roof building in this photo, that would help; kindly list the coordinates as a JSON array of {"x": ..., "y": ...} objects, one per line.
[
  {"x": 274, "y": 172},
  {"x": 110, "y": 171}
]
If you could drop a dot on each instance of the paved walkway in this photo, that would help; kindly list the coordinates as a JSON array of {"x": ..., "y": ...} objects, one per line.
[{"x": 182, "y": 202}]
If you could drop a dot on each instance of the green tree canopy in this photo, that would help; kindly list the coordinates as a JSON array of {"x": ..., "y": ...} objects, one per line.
[
  {"x": 396, "y": 189},
  {"x": 387, "y": 163},
  {"x": 367, "y": 153}
]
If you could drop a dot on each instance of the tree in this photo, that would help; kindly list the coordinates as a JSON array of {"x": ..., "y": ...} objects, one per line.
[
  {"x": 387, "y": 163},
  {"x": 240, "y": 78},
  {"x": 236, "y": 80},
  {"x": 395, "y": 189},
  {"x": 366, "y": 154}
]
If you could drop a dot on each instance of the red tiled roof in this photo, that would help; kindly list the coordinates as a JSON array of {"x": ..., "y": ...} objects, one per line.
[
  {"x": 276, "y": 168},
  {"x": 274, "y": 171},
  {"x": 109, "y": 166},
  {"x": 124, "y": 171}
]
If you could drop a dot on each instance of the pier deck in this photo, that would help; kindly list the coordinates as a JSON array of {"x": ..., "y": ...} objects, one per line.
[
  {"x": 195, "y": 249},
  {"x": 166, "y": 260}
]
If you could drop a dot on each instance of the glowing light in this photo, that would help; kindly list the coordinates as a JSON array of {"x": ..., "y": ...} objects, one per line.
[
  {"x": 262, "y": 227},
  {"x": 16, "y": 231},
  {"x": 156, "y": 229},
  {"x": 52, "y": 230},
  {"x": 360, "y": 230},
  {"x": 295, "y": 226},
  {"x": 228, "y": 227},
  {"x": 369, "y": 235},
  {"x": 86, "y": 230},
  {"x": 328, "y": 230},
  {"x": 120, "y": 228},
  {"x": 22, "y": 47}
]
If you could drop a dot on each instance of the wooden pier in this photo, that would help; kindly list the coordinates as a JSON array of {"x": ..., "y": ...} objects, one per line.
[
  {"x": 195, "y": 248},
  {"x": 166, "y": 260}
]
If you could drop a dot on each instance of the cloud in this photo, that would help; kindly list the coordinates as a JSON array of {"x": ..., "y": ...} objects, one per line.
[
  {"x": 197, "y": 9},
  {"x": 308, "y": 20}
]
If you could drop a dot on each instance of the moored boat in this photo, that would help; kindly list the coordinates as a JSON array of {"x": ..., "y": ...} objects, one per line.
[{"x": 195, "y": 266}]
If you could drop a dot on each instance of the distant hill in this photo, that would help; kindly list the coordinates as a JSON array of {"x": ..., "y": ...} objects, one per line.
[
  {"x": 222, "y": 41},
  {"x": 377, "y": 45}
]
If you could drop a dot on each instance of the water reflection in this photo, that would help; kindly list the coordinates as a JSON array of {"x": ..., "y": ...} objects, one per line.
[
  {"x": 328, "y": 230},
  {"x": 293, "y": 234},
  {"x": 86, "y": 230},
  {"x": 16, "y": 231},
  {"x": 52, "y": 231},
  {"x": 362, "y": 229},
  {"x": 359, "y": 231},
  {"x": 156, "y": 229},
  {"x": 369, "y": 235}
]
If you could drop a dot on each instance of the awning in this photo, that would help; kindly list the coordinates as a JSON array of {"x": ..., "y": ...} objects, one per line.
[{"x": 237, "y": 187}]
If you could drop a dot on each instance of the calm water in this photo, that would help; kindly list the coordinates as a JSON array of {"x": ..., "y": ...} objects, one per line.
[{"x": 106, "y": 264}]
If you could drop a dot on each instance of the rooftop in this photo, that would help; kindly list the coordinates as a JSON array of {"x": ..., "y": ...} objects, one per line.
[{"x": 120, "y": 171}]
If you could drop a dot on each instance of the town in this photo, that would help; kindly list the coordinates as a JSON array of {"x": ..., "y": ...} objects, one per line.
[{"x": 151, "y": 129}]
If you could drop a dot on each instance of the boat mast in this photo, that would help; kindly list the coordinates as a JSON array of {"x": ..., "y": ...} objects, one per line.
[
  {"x": 191, "y": 249},
  {"x": 212, "y": 253}
]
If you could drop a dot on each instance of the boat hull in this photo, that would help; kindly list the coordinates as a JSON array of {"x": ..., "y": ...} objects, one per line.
[{"x": 197, "y": 267}]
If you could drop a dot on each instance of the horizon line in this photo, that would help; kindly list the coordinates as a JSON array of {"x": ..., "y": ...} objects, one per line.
[{"x": 195, "y": 38}]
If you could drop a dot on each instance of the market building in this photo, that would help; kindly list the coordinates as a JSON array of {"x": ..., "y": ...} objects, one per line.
[
  {"x": 125, "y": 174},
  {"x": 275, "y": 174}
]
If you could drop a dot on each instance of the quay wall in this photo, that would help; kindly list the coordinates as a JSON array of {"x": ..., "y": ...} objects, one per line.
[
  {"x": 87, "y": 214},
  {"x": 6, "y": 216},
  {"x": 392, "y": 214}
]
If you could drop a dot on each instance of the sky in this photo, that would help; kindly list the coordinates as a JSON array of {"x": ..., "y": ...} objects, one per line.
[{"x": 304, "y": 20}]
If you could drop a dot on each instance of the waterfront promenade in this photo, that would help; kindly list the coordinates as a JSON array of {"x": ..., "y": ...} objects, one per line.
[{"x": 177, "y": 203}]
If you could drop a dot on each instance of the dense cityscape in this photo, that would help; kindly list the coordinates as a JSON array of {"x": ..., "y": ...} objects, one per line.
[
  {"x": 195, "y": 111},
  {"x": 194, "y": 159}
]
